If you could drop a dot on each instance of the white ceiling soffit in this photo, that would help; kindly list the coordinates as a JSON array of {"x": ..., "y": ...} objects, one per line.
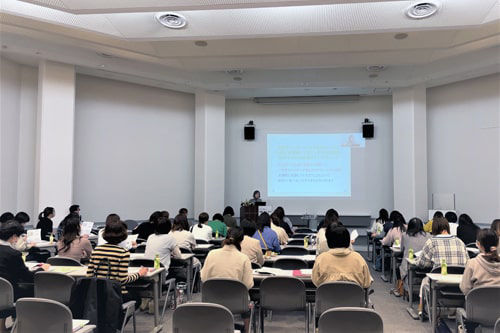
[
  {"x": 123, "y": 6},
  {"x": 268, "y": 22}
]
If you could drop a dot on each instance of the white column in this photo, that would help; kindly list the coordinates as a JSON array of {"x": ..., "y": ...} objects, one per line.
[
  {"x": 209, "y": 153},
  {"x": 55, "y": 136},
  {"x": 410, "y": 151}
]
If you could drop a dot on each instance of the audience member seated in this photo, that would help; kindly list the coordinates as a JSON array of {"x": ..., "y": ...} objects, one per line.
[
  {"x": 229, "y": 262},
  {"x": 285, "y": 222},
  {"x": 377, "y": 227},
  {"x": 180, "y": 231},
  {"x": 428, "y": 225},
  {"x": 229, "y": 219},
  {"x": 331, "y": 217},
  {"x": 7, "y": 216},
  {"x": 414, "y": 238},
  {"x": 467, "y": 229},
  {"x": 71, "y": 245},
  {"x": 145, "y": 229},
  {"x": 340, "y": 263},
  {"x": 45, "y": 222},
  {"x": 483, "y": 270},
  {"x": 265, "y": 235},
  {"x": 74, "y": 211},
  {"x": 441, "y": 246},
  {"x": 116, "y": 257},
  {"x": 251, "y": 246},
  {"x": 452, "y": 221},
  {"x": 217, "y": 224},
  {"x": 202, "y": 230},
  {"x": 22, "y": 244},
  {"x": 282, "y": 236},
  {"x": 126, "y": 244},
  {"x": 394, "y": 234},
  {"x": 162, "y": 243},
  {"x": 495, "y": 226}
]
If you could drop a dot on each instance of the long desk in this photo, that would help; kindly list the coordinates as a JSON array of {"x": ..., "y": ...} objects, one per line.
[
  {"x": 311, "y": 248},
  {"x": 438, "y": 281},
  {"x": 395, "y": 251},
  {"x": 310, "y": 258}
]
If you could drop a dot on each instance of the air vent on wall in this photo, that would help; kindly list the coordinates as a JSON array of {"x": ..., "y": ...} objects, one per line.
[{"x": 306, "y": 99}]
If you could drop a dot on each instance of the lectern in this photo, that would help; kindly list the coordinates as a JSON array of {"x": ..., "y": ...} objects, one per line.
[{"x": 249, "y": 213}]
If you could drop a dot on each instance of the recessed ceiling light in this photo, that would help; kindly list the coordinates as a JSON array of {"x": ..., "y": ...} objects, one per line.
[
  {"x": 171, "y": 20},
  {"x": 237, "y": 78},
  {"x": 375, "y": 68},
  {"x": 234, "y": 71},
  {"x": 201, "y": 43},
  {"x": 401, "y": 35},
  {"x": 372, "y": 76},
  {"x": 422, "y": 10}
]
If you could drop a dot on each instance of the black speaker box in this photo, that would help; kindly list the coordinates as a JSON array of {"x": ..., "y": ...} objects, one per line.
[
  {"x": 249, "y": 133},
  {"x": 368, "y": 130}
]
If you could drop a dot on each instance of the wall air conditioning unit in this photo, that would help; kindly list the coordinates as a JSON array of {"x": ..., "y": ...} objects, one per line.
[{"x": 306, "y": 99}]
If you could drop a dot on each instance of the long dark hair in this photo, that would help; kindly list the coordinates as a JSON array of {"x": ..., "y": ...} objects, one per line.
[
  {"x": 488, "y": 239},
  {"x": 399, "y": 222},
  {"x": 383, "y": 215},
  {"x": 70, "y": 233},
  {"x": 180, "y": 223},
  {"x": 263, "y": 221},
  {"x": 46, "y": 212},
  {"x": 234, "y": 237},
  {"x": 202, "y": 218},
  {"x": 331, "y": 216},
  {"x": 415, "y": 227},
  {"x": 465, "y": 220}
]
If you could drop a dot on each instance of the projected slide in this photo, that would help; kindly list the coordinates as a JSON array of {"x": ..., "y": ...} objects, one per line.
[{"x": 311, "y": 165}]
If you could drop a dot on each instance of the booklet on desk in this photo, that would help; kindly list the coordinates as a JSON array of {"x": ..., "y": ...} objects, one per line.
[{"x": 302, "y": 272}]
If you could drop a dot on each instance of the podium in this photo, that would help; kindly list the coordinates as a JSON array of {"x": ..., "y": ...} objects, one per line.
[{"x": 249, "y": 213}]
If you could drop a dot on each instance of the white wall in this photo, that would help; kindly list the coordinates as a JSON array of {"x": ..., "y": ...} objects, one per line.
[
  {"x": 134, "y": 149},
  {"x": 246, "y": 160},
  {"x": 464, "y": 145},
  {"x": 18, "y": 93}
]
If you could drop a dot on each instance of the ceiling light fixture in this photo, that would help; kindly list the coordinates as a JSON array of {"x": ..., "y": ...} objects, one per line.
[
  {"x": 401, "y": 35},
  {"x": 422, "y": 10},
  {"x": 306, "y": 99},
  {"x": 171, "y": 20}
]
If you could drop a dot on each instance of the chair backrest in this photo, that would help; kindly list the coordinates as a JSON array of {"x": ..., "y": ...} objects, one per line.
[
  {"x": 63, "y": 261},
  {"x": 339, "y": 294},
  {"x": 482, "y": 305},
  {"x": 304, "y": 231},
  {"x": 54, "y": 286},
  {"x": 282, "y": 294},
  {"x": 299, "y": 235},
  {"x": 142, "y": 262},
  {"x": 202, "y": 317},
  {"x": 6, "y": 294},
  {"x": 255, "y": 265},
  {"x": 185, "y": 250},
  {"x": 497, "y": 326},
  {"x": 232, "y": 294},
  {"x": 297, "y": 251},
  {"x": 38, "y": 314},
  {"x": 345, "y": 320},
  {"x": 201, "y": 241},
  {"x": 296, "y": 242},
  {"x": 141, "y": 248},
  {"x": 290, "y": 263}
]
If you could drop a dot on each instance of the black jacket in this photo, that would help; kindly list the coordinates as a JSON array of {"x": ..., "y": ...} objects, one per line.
[{"x": 13, "y": 269}]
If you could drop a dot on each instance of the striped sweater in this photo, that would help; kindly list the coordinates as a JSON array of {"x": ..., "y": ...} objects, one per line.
[{"x": 118, "y": 263}]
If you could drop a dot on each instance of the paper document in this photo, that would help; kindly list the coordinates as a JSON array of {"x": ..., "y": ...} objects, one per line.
[
  {"x": 417, "y": 254},
  {"x": 34, "y": 236},
  {"x": 87, "y": 228},
  {"x": 354, "y": 235},
  {"x": 79, "y": 323},
  {"x": 132, "y": 238}
]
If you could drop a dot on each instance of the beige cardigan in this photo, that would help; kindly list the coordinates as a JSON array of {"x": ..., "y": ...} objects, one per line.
[
  {"x": 251, "y": 248},
  {"x": 478, "y": 273},
  {"x": 341, "y": 264},
  {"x": 228, "y": 262}
]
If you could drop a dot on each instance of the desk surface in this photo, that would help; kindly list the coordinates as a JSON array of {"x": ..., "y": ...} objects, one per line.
[
  {"x": 451, "y": 279},
  {"x": 308, "y": 257},
  {"x": 184, "y": 256},
  {"x": 264, "y": 272},
  {"x": 80, "y": 271},
  {"x": 43, "y": 244},
  {"x": 204, "y": 246}
]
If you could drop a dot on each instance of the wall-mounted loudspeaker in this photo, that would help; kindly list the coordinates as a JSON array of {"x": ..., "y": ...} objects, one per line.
[
  {"x": 249, "y": 131},
  {"x": 368, "y": 129}
]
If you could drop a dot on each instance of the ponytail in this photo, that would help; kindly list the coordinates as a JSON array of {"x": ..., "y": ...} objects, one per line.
[
  {"x": 46, "y": 212},
  {"x": 234, "y": 237}
]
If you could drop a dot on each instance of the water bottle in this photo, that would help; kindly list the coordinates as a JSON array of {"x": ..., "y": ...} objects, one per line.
[
  {"x": 217, "y": 234},
  {"x": 444, "y": 267},
  {"x": 51, "y": 239},
  {"x": 181, "y": 287},
  {"x": 411, "y": 255},
  {"x": 157, "y": 261},
  {"x": 306, "y": 242}
]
